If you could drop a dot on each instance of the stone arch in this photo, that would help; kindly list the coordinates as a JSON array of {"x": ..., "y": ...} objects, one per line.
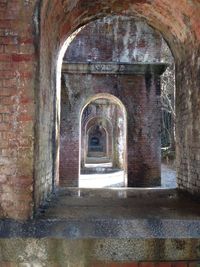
[
  {"x": 119, "y": 158},
  {"x": 97, "y": 141},
  {"x": 107, "y": 126},
  {"x": 183, "y": 38}
]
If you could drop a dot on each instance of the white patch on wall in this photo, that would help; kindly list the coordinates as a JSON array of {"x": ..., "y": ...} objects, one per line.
[{"x": 125, "y": 54}]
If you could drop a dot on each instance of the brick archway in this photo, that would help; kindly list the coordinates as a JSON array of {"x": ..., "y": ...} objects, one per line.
[
  {"x": 115, "y": 128},
  {"x": 34, "y": 33},
  {"x": 66, "y": 18},
  {"x": 107, "y": 127}
]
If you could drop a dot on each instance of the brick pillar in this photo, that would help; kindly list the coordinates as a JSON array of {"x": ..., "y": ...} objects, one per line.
[
  {"x": 69, "y": 161},
  {"x": 69, "y": 142},
  {"x": 142, "y": 101}
]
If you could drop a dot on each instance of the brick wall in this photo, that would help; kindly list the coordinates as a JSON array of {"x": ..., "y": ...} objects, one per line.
[
  {"x": 187, "y": 127},
  {"x": 117, "y": 39},
  {"x": 143, "y": 123},
  {"x": 17, "y": 74}
]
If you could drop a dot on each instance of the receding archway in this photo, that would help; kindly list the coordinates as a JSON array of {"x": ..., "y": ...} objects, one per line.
[
  {"x": 96, "y": 141},
  {"x": 102, "y": 129},
  {"x": 103, "y": 122},
  {"x": 180, "y": 42},
  {"x": 113, "y": 70}
]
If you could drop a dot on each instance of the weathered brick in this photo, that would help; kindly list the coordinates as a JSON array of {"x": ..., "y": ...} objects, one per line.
[
  {"x": 9, "y": 82},
  {"x": 5, "y": 109},
  {"x": 5, "y": 57},
  {"x": 178, "y": 22},
  {"x": 10, "y": 48},
  {"x": 140, "y": 101},
  {"x": 8, "y": 40},
  {"x": 22, "y": 57},
  {"x": 7, "y": 74}
]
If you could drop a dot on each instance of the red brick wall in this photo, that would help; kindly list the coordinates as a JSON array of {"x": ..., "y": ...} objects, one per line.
[
  {"x": 17, "y": 77},
  {"x": 144, "y": 143}
]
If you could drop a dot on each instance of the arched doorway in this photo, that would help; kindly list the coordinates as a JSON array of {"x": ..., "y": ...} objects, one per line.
[
  {"x": 102, "y": 70},
  {"x": 96, "y": 142},
  {"x": 171, "y": 28},
  {"x": 103, "y": 138}
]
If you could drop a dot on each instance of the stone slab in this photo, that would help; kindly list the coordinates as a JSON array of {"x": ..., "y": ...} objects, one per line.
[{"x": 113, "y": 68}]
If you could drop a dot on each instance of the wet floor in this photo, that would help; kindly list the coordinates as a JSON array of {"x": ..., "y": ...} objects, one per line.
[
  {"x": 123, "y": 213},
  {"x": 121, "y": 203}
]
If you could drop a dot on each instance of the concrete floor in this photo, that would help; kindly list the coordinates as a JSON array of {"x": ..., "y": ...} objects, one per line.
[
  {"x": 121, "y": 213},
  {"x": 118, "y": 177},
  {"x": 124, "y": 203},
  {"x": 82, "y": 227},
  {"x": 106, "y": 225}
]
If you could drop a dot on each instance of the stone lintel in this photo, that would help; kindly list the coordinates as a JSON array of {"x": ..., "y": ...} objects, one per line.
[{"x": 114, "y": 68}]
